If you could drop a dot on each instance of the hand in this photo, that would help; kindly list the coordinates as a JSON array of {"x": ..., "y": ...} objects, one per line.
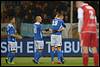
[
  {"x": 55, "y": 31},
  {"x": 19, "y": 37},
  {"x": 47, "y": 29},
  {"x": 81, "y": 43}
]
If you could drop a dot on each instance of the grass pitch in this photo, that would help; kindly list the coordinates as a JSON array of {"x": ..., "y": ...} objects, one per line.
[{"x": 46, "y": 61}]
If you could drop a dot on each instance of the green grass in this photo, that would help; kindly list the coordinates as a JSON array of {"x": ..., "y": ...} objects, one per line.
[{"x": 46, "y": 61}]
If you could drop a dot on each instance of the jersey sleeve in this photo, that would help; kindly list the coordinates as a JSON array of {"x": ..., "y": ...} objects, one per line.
[
  {"x": 63, "y": 24},
  {"x": 10, "y": 30},
  {"x": 80, "y": 19},
  {"x": 41, "y": 27},
  {"x": 35, "y": 28},
  {"x": 80, "y": 13}
]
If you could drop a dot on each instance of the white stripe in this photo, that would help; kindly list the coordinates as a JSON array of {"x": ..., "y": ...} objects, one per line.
[{"x": 88, "y": 32}]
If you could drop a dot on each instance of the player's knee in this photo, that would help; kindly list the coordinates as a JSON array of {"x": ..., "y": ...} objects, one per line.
[
  {"x": 40, "y": 50},
  {"x": 13, "y": 51},
  {"x": 94, "y": 50},
  {"x": 52, "y": 48},
  {"x": 85, "y": 49},
  {"x": 59, "y": 48}
]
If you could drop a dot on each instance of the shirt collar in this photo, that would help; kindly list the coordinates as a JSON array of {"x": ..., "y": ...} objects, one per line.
[
  {"x": 37, "y": 22},
  {"x": 84, "y": 4}
]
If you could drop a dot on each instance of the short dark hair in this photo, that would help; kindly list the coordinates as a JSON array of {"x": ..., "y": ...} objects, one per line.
[
  {"x": 11, "y": 17},
  {"x": 60, "y": 12}
]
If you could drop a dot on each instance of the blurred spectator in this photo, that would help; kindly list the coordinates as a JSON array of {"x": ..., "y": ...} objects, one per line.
[{"x": 47, "y": 9}]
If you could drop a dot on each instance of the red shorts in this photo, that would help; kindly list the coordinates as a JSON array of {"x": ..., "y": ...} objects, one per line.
[{"x": 89, "y": 39}]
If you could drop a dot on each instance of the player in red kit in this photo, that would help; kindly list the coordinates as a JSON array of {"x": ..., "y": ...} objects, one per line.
[{"x": 87, "y": 31}]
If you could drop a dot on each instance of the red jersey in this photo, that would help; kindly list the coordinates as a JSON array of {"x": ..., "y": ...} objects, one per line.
[{"x": 89, "y": 19}]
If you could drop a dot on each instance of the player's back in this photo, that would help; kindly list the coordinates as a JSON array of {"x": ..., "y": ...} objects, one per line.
[
  {"x": 56, "y": 25},
  {"x": 10, "y": 31},
  {"x": 38, "y": 31},
  {"x": 89, "y": 19}
]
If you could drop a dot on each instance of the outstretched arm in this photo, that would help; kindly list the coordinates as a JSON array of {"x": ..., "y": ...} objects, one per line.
[
  {"x": 61, "y": 29},
  {"x": 16, "y": 36},
  {"x": 47, "y": 31}
]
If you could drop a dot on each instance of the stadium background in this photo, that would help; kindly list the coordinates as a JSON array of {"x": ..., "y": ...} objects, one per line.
[{"x": 25, "y": 11}]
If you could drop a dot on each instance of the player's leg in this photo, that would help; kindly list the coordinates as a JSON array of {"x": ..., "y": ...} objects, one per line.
[
  {"x": 53, "y": 41},
  {"x": 8, "y": 53},
  {"x": 39, "y": 45},
  {"x": 95, "y": 56},
  {"x": 85, "y": 55},
  {"x": 40, "y": 49},
  {"x": 94, "y": 46},
  {"x": 36, "y": 52},
  {"x": 62, "y": 58},
  {"x": 8, "y": 57},
  {"x": 11, "y": 52},
  {"x": 52, "y": 54},
  {"x": 59, "y": 51},
  {"x": 59, "y": 54},
  {"x": 12, "y": 57},
  {"x": 35, "y": 57},
  {"x": 85, "y": 41},
  {"x": 39, "y": 54}
]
